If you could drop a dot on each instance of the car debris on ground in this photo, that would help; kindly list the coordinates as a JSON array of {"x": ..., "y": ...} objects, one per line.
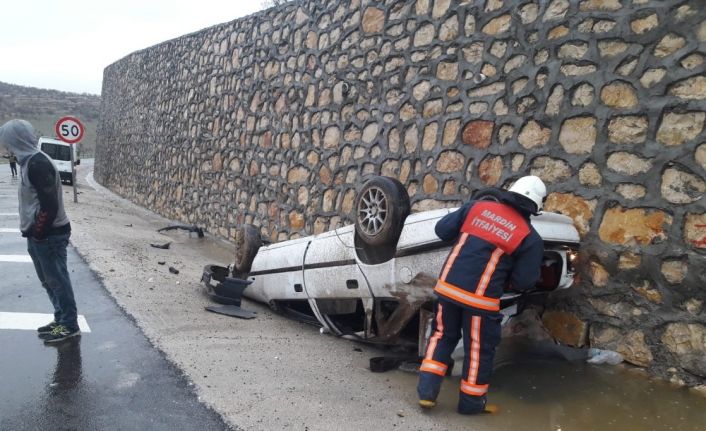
[
  {"x": 197, "y": 230},
  {"x": 164, "y": 246}
]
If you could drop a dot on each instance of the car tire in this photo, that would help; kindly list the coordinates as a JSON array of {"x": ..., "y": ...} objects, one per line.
[
  {"x": 247, "y": 243},
  {"x": 382, "y": 206}
]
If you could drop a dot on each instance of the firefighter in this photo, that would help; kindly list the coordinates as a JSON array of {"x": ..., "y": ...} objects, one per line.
[{"x": 495, "y": 248}]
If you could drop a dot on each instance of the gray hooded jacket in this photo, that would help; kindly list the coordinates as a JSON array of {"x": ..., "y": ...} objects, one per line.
[{"x": 40, "y": 195}]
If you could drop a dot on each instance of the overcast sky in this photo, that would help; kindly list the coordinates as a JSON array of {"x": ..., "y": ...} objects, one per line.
[{"x": 65, "y": 44}]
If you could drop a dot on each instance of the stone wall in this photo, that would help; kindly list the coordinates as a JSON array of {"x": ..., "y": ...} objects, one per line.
[{"x": 276, "y": 119}]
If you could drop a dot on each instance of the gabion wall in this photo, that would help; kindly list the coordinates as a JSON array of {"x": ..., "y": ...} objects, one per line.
[{"x": 276, "y": 119}]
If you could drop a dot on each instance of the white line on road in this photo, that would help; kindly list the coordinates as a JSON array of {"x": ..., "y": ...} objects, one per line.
[
  {"x": 32, "y": 321},
  {"x": 9, "y": 230},
  {"x": 19, "y": 258}
]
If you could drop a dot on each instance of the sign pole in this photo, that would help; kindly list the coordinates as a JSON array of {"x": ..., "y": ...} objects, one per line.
[{"x": 73, "y": 171}]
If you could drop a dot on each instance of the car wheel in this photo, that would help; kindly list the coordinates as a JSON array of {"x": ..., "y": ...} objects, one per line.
[
  {"x": 247, "y": 243},
  {"x": 381, "y": 208}
]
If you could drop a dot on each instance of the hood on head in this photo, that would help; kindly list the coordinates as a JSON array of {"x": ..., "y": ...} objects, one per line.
[{"x": 19, "y": 137}]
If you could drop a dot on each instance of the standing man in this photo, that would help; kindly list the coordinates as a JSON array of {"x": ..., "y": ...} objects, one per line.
[
  {"x": 495, "y": 247},
  {"x": 46, "y": 226},
  {"x": 13, "y": 164}
]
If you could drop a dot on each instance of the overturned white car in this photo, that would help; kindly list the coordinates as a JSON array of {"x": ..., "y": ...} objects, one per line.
[{"x": 374, "y": 281}]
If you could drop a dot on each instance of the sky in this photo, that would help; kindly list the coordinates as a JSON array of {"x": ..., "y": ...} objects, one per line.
[{"x": 65, "y": 44}]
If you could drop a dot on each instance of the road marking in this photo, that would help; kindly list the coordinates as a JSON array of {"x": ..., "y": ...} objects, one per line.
[
  {"x": 18, "y": 258},
  {"x": 9, "y": 214},
  {"x": 9, "y": 230},
  {"x": 32, "y": 321}
]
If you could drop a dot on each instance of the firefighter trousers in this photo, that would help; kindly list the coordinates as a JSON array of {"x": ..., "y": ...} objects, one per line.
[{"x": 481, "y": 336}]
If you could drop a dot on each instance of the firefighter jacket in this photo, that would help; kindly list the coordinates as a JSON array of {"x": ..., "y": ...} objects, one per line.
[{"x": 495, "y": 247}]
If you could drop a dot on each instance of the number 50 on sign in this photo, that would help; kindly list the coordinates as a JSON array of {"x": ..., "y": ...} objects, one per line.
[{"x": 69, "y": 129}]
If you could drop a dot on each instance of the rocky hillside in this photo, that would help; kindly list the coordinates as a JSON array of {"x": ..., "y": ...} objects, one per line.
[{"x": 43, "y": 107}]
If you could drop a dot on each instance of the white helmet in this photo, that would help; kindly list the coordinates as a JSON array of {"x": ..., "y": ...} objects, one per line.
[{"x": 531, "y": 187}]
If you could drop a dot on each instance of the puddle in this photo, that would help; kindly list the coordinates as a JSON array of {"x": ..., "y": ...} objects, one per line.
[{"x": 536, "y": 390}]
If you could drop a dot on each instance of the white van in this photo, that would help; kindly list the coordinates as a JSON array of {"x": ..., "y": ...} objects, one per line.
[{"x": 60, "y": 152}]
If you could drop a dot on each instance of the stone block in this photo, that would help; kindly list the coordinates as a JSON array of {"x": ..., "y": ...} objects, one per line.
[
  {"x": 634, "y": 226},
  {"x": 424, "y": 36},
  {"x": 533, "y": 134},
  {"x": 695, "y": 230},
  {"x": 579, "y": 209},
  {"x": 674, "y": 270},
  {"x": 628, "y": 129},
  {"x": 556, "y": 10},
  {"x": 554, "y": 101},
  {"x": 529, "y": 13},
  {"x": 630, "y": 344},
  {"x": 506, "y": 131},
  {"x": 652, "y": 77},
  {"x": 566, "y": 328},
  {"x": 583, "y": 95},
  {"x": 612, "y": 48},
  {"x": 619, "y": 95},
  {"x": 447, "y": 71},
  {"x": 646, "y": 290},
  {"x": 681, "y": 187},
  {"x": 558, "y": 32},
  {"x": 433, "y": 108},
  {"x": 440, "y": 8},
  {"x": 700, "y": 156},
  {"x": 600, "y": 5},
  {"x": 578, "y": 135},
  {"x": 680, "y": 128},
  {"x": 498, "y": 26},
  {"x": 668, "y": 45},
  {"x": 488, "y": 90},
  {"x": 451, "y": 129},
  {"x": 693, "y": 88},
  {"x": 590, "y": 175},
  {"x": 577, "y": 69},
  {"x": 449, "y": 29},
  {"x": 604, "y": 26},
  {"x": 373, "y": 20},
  {"x": 628, "y": 163},
  {"x": 629, "y": 260},
  {"x": 429, "y": 138},
  {"x": 450, "y": 161},
  {"x": 490, "y": 170},
  {"x": 430, "y": 185},
  {"x": 687, "y": 341},
  {"x": 692, "y": 61},
  {"x": 478, "y": 133},
  {"x": 643, "y": 25},
  {"x": 517, "y": 161},
  {"x": 411, "y": 139},
  {"x": 573, "y": 50},
  {"x": 550, "y": 170},
  {"x": 332, "y": 137},
  {"x": 631, "y": 191},
  {"x": 296, "y": 220}
]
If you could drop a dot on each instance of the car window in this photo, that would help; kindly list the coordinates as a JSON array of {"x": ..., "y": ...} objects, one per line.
[{"x": 57, "y": 152}]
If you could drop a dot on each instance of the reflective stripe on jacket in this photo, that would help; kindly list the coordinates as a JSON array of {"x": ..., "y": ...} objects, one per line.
[{"x": 495, "y": 246}]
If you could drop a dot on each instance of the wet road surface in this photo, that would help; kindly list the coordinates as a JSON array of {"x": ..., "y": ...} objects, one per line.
[{"x": 110, "y": 378}]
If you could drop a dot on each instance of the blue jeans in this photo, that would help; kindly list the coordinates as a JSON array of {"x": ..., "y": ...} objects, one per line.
[{"x": 49, "y": 257}]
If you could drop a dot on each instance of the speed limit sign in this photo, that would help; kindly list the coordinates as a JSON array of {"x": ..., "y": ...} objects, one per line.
[{"x": 69, "y": 129}]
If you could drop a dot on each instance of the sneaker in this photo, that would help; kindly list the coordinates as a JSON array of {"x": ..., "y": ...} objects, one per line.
[
  {"x": 60, "y": 333},
  {"x": 46, "y": 329},
  {"x": 427, "y": 404}
]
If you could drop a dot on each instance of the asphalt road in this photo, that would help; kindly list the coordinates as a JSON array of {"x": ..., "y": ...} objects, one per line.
[{"x": 110, "y": 378}]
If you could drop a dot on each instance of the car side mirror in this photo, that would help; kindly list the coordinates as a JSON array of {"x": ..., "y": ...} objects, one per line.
[{"x": 78, "y": 162}]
